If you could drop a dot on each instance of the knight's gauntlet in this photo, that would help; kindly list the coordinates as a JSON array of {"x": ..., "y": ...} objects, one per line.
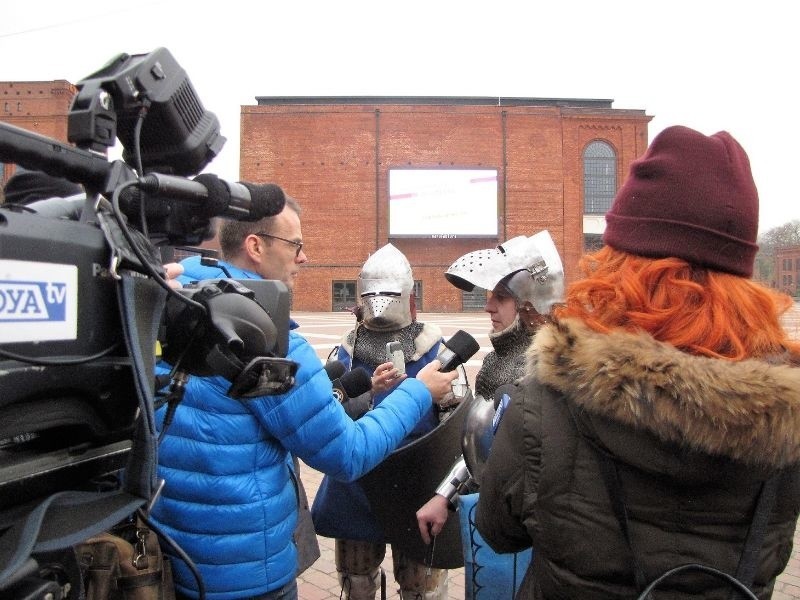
[{"x": 455, "y": 483}]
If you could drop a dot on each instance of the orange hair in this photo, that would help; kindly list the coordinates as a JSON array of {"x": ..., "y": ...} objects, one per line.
[{"x": 697, "y": 310}]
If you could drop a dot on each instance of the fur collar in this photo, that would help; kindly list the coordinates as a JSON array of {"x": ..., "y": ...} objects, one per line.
[{"x": 748, "y": 410}]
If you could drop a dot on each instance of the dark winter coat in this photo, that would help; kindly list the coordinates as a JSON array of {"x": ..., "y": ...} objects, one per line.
[{"x": 693, "y": 440}]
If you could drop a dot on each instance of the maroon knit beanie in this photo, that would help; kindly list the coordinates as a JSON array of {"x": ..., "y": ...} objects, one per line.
[{"x": 690, "y": 196}]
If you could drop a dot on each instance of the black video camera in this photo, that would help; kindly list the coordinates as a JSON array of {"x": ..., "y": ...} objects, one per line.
[{"x": 84, "y": 303}]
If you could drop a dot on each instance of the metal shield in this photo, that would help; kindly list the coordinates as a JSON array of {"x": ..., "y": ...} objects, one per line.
[{"x": 407, "y": 479}]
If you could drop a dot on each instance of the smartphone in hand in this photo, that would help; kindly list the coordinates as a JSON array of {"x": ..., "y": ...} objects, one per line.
[{"x": 394, "y": 354}]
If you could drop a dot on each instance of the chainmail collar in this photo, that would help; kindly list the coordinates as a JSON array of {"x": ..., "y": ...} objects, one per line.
[
  {"x": 506, "y": 362},
  {"x": 370, "y": 346},
  {"x": 511, "y": 340}
]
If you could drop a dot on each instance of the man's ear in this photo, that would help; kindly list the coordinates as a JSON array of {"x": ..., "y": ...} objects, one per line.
[
  {"x": 412, "y": 304},
  {"x": 252, "y": 248}
]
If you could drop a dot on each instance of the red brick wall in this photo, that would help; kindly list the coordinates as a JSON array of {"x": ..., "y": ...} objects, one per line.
[
  {"x": 38, "y": 106},
  {"x": 786, "y": 274},
  {"x": 335, "y": 160}
]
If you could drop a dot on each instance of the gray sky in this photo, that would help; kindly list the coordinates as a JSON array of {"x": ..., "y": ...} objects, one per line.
[{"x": 708, "y": 64}]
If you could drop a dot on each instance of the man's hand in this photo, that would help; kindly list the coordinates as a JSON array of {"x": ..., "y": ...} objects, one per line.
[
  {"x": 173, "y": 270},
  {"x": 438, "y": 384},
  {"x": 432, "y": 517},
  {"x": 385, "y": 378}
]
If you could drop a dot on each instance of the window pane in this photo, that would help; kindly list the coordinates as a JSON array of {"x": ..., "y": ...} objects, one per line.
[
  {"x": 474, "y": 300},
  {"x": 343, "y": 294},
  {"x": 599, "y": 178}
]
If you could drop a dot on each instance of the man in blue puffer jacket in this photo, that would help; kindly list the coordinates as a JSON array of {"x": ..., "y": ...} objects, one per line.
[{"x": 231, "y": 493}]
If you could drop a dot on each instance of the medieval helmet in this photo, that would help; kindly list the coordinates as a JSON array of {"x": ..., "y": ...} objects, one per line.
[
  {"x": 529, "y": 267},
  {"x": 384, "y": 290}
]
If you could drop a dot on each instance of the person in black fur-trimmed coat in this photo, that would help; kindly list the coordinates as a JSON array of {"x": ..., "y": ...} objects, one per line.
[{"x": 668, "y": 370}]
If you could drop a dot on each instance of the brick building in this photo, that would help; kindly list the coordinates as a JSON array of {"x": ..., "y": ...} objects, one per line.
[
  {"x": 38, "y": 106},
  {"x": 558, "y": 164},
  {"x": 786, "y": 274}
]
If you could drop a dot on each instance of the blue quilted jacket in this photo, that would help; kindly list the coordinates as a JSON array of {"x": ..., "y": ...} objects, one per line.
[{"x": 230, "y": 497}]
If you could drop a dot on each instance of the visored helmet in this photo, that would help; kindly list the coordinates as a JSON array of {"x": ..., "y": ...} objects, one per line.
[
  {"x": 529, "y": 267},
  {"x": 384, "y": 289}
]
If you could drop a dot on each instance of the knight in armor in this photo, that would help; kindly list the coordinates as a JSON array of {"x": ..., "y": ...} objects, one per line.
[
  {"x": 524, "y": 279},
  {"x": 386, "y": 313}
]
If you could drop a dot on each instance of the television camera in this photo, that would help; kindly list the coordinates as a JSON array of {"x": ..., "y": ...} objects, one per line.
[{"x": 84, "y": 304}]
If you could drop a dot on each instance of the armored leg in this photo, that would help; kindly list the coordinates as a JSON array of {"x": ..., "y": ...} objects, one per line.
[
  {"x": 415, "y": 581},
  {"x": 358, "y": 567}
]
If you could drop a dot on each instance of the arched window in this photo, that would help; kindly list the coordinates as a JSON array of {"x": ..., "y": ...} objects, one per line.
[{"x": 599, "y": 178}]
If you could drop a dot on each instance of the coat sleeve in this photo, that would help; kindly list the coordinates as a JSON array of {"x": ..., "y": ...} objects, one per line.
[
  {"x": 502, "y": 498},
  {"x": 311, "y": 423}
]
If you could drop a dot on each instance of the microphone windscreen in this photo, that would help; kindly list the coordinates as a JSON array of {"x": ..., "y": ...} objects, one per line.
[
  {"x": 335, "y": 369},
  {"x": 463, "y": 345},
  {"x": 219, "y": 196},
  {"x": 266, "y": 199},
  {"x": 356, "y": 382}
]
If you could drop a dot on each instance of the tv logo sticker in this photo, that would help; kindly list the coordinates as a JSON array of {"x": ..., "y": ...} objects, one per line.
[{"x": 38, "y": 301}]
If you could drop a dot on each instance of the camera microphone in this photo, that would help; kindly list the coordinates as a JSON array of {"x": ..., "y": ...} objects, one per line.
[
  {"x": 218, "y": 198},
  {"x": 457, "y": 350}
]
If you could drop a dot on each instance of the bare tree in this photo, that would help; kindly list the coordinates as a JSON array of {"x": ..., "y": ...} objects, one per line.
[{"x": 787, "y": 234}]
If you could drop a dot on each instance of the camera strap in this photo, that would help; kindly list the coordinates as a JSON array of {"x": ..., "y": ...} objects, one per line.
[
  {"x": 60, "y": 521},
  {"x": 141, "y": 303}
]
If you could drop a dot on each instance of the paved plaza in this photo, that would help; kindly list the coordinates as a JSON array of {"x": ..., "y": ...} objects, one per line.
[{"x": 324, "y": 330}]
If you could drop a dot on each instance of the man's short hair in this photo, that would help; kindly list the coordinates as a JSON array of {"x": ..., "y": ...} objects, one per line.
[{"x": 233, "y": 233}]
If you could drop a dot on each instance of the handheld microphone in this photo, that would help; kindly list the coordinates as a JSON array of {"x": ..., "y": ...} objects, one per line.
[
  {"x": 335, "y": 369},
  {"x": 218, "y": 198},
  {"x": 457, "y": 350},
  {"x": 347, "y": 384}
]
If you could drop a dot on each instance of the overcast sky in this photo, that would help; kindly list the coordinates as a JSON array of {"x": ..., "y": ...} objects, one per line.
[{"x": 707, "y": 64}]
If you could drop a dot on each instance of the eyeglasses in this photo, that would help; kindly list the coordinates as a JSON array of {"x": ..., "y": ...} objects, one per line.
[{"x": 292, "y": 242}]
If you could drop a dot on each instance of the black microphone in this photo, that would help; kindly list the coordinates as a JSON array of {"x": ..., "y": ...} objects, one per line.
[
  {"x": 218, "y": 198},
  {"x": 335, "y": 369},
  {"x": 457, "y": 350},
  {"x": 347, "y": 384}
]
